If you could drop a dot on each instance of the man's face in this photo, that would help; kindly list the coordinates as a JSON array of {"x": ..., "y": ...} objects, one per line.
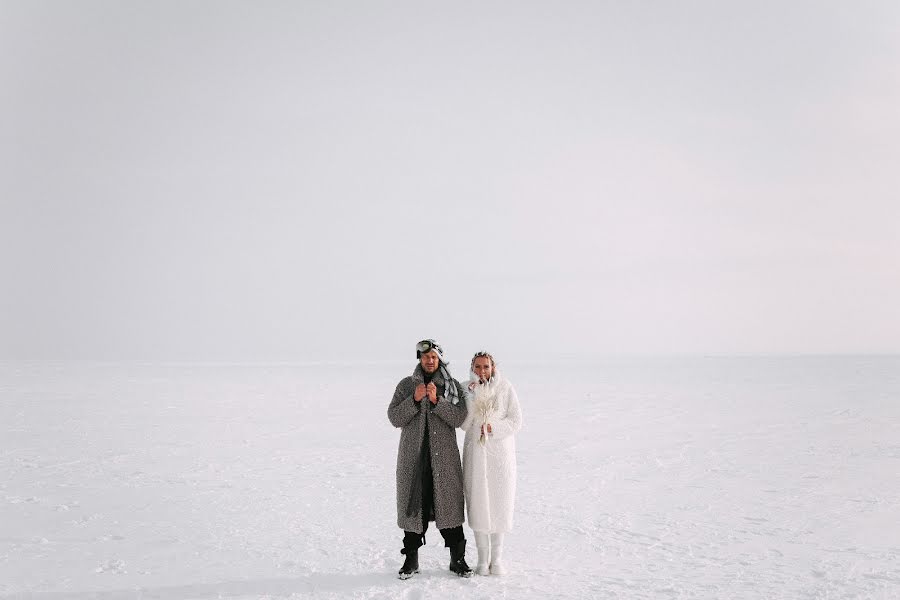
[{"x": 430, "y": 361}]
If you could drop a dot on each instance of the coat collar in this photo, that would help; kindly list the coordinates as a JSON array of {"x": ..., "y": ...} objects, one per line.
[{"x": 419, "y": 376}]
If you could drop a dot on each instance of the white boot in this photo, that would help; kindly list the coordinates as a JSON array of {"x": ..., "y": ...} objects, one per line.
[
  {"x": 497, "y": 567},
  {"x": 483, "y": 543}
]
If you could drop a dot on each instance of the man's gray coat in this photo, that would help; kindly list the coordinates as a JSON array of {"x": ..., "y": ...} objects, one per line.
[{"x": 442, "y": 419}]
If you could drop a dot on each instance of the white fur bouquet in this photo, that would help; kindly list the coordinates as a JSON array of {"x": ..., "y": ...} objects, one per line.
[{"x": 483, "y": 403}]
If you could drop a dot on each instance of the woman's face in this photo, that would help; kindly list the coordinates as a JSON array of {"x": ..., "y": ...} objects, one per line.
[{"x": 483, "y": 368}]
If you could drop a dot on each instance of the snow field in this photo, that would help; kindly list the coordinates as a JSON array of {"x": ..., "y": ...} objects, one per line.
[{"x": 638, "y": 478}]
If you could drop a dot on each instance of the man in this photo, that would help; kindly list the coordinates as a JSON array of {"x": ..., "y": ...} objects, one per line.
[{"x": 428, "y": 406}]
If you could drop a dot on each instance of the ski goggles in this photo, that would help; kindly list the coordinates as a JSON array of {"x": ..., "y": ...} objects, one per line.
[{"x": 426, "y": 346}]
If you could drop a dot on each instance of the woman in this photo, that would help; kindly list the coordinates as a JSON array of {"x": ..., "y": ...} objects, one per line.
[{"x": 489, "y": 460}]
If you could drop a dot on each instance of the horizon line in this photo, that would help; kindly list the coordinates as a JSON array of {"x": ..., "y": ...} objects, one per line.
[{"x": 542, "y": 359}]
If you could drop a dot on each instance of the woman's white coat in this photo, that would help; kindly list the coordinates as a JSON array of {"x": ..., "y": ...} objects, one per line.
[{"x": 489, "y": 461}]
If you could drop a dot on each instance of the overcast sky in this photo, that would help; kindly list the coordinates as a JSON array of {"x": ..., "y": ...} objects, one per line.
[{"x": 336, "y": 180}]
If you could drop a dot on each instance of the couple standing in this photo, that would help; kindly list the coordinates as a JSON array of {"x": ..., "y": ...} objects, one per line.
[{"x": 432, "y": 485}]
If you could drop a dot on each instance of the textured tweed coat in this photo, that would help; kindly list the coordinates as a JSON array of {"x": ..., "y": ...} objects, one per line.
[
  {"x": 489, "y": 463},
  {"x": 442, "y": 419}
]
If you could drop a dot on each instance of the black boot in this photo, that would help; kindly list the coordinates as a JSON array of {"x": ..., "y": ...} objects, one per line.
[
  {"x": 411, "y": 564},
  {"x": 458, "y": 560},
  {"x": 411, "y": 543}
]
